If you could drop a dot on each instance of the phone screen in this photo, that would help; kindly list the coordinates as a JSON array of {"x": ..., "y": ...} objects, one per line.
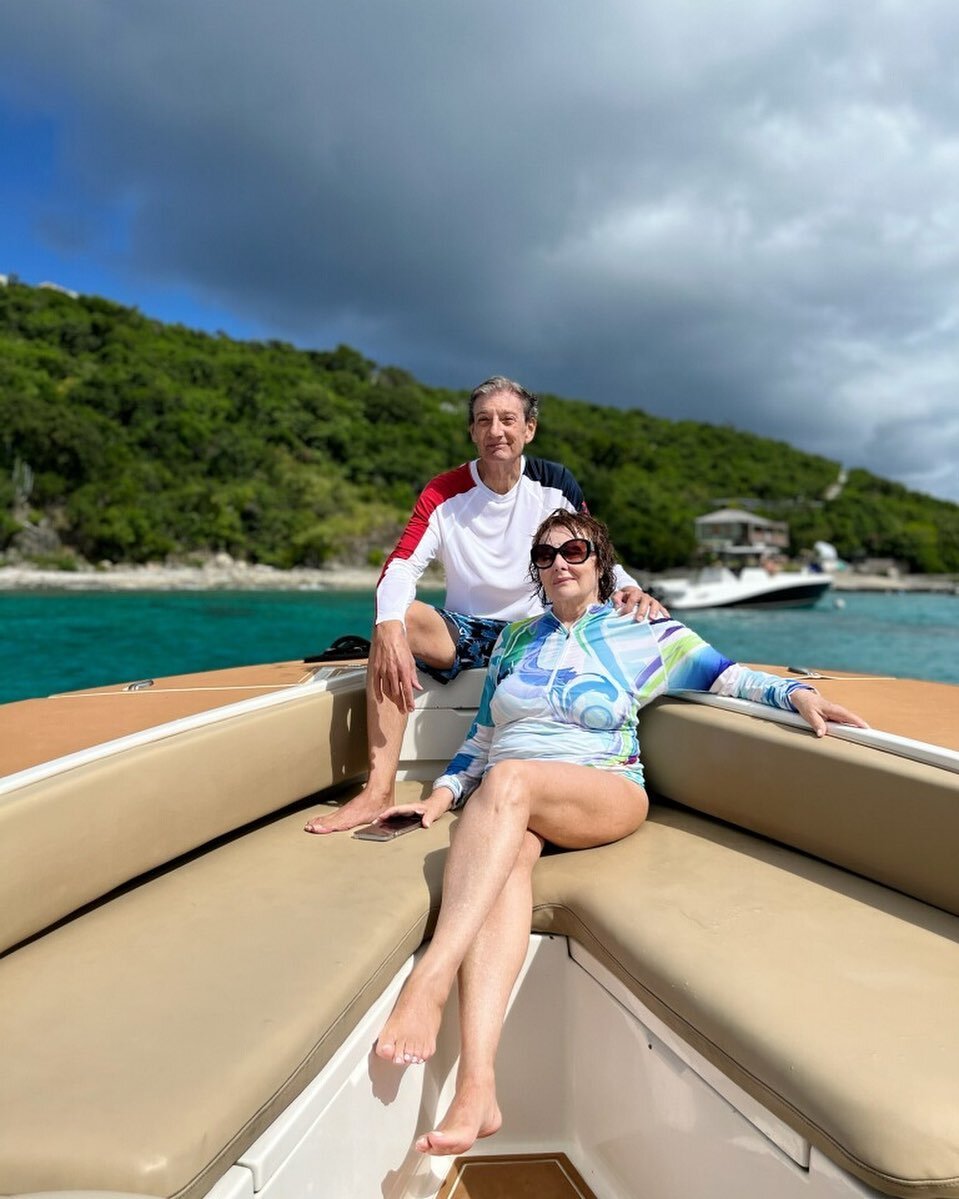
[
  {"x": 392, "y": 826},
  {"x": 402, "y": 820}
]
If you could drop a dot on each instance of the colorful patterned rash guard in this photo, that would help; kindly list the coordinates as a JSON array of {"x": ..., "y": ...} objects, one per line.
[{"x": 573, "y": 695}]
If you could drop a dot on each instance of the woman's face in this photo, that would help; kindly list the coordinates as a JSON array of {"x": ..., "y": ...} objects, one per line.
[{"x": 569, "y": 584}]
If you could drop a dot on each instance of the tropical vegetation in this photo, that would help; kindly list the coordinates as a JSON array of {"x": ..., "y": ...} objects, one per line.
[{"x": 127, "y": 439}]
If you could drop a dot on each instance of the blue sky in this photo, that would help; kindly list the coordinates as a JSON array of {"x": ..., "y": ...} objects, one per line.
[
  {"x": 52, "y": 231},
  {"x": 745, "y": 213}
]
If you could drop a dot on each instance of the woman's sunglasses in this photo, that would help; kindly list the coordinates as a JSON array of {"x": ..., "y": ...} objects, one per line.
[{"x": 575, "y": 551}]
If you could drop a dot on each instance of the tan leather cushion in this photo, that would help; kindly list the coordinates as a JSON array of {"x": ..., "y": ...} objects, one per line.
[
  {"x": 70, "y": 839},
  {"x": 832, "y": 1000},
  {"x": 150, "y": 1040},
  {"x": 885, "y": 817}
]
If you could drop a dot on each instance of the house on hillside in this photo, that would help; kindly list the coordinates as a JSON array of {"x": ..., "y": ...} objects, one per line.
[{"x": 731, "y": 530}]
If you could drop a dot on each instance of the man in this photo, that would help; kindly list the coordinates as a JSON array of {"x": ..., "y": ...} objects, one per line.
[{"x": 478, "y": 520}]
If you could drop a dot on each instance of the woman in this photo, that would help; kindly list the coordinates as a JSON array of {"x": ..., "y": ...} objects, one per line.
[{"x": 552, "y": 756}]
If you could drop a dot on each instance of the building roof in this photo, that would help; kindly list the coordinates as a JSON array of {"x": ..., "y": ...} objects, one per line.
[{"x": 725, "y": 515}]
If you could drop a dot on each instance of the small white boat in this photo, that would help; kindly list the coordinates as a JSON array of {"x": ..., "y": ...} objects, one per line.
[
  {"x": 750, "y": 586},
  {"x": 754, "y": 995}
]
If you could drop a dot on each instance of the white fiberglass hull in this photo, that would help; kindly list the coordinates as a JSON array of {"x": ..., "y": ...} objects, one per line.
[{"x": 753, "y": 587}]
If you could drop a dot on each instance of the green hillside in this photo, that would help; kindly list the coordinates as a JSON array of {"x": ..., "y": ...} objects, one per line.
[{"x": 127, "y": 439}]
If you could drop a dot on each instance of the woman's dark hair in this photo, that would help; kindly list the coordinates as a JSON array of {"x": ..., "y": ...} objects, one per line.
[{"x": 580, "y": 524}]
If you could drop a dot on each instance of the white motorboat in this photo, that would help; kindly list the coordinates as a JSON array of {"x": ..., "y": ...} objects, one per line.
[
  {"x": 751, "y": 586},
  {"x": 755, "y": 995}
]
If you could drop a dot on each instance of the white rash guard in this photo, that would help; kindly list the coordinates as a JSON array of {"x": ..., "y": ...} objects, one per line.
[{"x": 481, "y": 538}]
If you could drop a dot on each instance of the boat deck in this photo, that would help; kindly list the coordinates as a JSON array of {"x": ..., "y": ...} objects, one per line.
[
  {"x": 748, "y": 928},
  {"x": 911, "y": 708},
  {"x": 36, "y": 731}
]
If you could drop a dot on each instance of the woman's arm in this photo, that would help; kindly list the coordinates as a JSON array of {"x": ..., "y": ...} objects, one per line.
[
  {"x": 464, "y": 773},
  {"x": 741, "y": 682},
  {"x": 694, "y": 665}
]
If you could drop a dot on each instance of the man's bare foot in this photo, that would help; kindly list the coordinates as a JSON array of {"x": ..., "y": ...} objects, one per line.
[
  {"x": 409, "y": 1034},
  {"x": 474, "y": 1113},
  {"x": 361, "y": 809}
]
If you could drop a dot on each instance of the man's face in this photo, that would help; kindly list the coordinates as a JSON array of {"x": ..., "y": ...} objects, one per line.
[{"x": 500, "y": 430}]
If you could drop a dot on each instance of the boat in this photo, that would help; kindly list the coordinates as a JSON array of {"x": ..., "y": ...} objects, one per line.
[
  {"x": 743, "y": 554},
  {"x": 719, "y": 586},
  {"x": 753, "y": 995}
]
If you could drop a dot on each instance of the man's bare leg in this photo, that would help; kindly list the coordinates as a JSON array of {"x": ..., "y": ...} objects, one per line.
[{"x": 429, "y": 638}]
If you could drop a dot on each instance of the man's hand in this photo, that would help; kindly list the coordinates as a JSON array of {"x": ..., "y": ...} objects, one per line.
[
  {"x": 815, "y": 709},
  {"x": 391, "y": 667},
  {"x": 638, "y": 602}
]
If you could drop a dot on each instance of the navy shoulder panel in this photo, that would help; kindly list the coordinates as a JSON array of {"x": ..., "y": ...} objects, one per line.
[{"x": 554, "y": 474}]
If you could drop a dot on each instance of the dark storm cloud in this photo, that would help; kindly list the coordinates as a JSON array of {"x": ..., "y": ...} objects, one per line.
[{"x": 744, "y": 213}]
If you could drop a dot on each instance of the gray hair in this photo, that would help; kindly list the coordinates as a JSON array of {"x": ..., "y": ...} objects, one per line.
[{"x": 499, "y": 383}]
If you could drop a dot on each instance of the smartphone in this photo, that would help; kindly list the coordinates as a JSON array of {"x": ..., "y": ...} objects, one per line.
[{"x": 390, "y": 828}]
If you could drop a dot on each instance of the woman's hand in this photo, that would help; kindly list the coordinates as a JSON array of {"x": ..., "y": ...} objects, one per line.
[
  {"x": 429, "y": 809},
  {"x": 815, "y": 709}
]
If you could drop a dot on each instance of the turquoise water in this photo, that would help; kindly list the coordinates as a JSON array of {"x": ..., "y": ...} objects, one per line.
[{"x": 56, "y": 641}]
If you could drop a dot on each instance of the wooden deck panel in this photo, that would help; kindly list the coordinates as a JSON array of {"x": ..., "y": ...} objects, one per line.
[
  {"x": 33, "y": 731},
  {"x": 515, "y": 1176},
  {"x": 907, "y": 707}
]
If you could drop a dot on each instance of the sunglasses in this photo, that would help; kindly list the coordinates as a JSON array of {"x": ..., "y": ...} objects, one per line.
[{"x": 575, "y": 551}]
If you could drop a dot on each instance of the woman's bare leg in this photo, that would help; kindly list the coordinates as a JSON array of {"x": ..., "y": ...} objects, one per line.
[
  {"x": 573, "y": 806},
  {"x": 486, "y": 981},
  {"x": 481, "y": 857}
]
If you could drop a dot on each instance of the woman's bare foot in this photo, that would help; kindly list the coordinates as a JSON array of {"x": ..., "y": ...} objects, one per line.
[
  {"x": 361, "y": 809},
  {"x": 474, "y": 1113},
  {"x": 409, "y": 1034}
]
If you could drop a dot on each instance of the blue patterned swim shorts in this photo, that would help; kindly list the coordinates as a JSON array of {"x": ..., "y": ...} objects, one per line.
[{"x": 475, "y": 638}]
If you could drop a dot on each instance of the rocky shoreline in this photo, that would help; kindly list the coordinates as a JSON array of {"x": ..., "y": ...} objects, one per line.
[
  {"x": 851, "y": 581},
  {"x": 223, "y": 573},
  {"x": 212, "y": 576}
]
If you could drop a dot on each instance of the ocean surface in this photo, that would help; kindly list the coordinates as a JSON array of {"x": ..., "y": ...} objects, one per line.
[{"x": 58, "y": 641}]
